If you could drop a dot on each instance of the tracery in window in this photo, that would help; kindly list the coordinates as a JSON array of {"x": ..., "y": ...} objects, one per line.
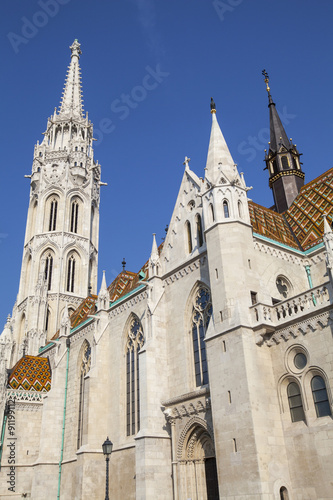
[
  {"x": 135, "y": 340},
  {"x": 201, "y": 313},
  {"x": 85, "y": 363},
  {"x": 53, "y": 214},
  {"x": 295, "y": 402},
  {"x": 74, "y": 216},
  {"x": 320, "y": 397},
  {"x": 71, "y": 273}
]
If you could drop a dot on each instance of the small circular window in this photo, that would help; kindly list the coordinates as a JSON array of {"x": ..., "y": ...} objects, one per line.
[{"x": 300, "y": 361}]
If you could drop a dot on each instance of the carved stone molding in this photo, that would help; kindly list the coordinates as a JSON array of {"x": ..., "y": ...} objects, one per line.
[
  {"x": 316, "y": 323},
  {"x": 200, "y": 262},
  {"x": 284, "y": 255}
]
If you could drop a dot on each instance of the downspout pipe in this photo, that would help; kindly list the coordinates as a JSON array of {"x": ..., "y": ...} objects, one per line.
[
  {"x": 308, "y": 273},
  {"x": 64, "y": 419},
  {"x": 3, "y": 432}
]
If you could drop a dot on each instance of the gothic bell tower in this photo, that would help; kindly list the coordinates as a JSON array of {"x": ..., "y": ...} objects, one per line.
[
  {"x": 282, "y": 160},
  {"x": 59, "y": 265}
]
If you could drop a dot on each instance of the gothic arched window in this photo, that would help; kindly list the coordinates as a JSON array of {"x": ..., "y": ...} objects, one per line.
[
  {"x": 135, "y": 340},
  {"x": 85, "y": 362},
  {"x": 189, "y": 236},
  {"x": 70, "y": 274},
  {"x": 320, "y": 396},
  {"x": 226, "y": 209},
  {"x": 201, "y": 313},
  {"x": 284, "y": 493},
  {"x": 212, "y": 215},
  {"x": 295, "y": 402},
  {"x": 48, "y": 270},
  {"x": 285, "y": 162},
  {"x": 240, "y": 209},
  {"x": 199, "y": 230},
  {"x": 74, "y": 216},
  {"x": 53, "y": 214}
]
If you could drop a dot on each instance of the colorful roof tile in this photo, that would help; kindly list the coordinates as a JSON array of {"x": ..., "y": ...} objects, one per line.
[
  {"x": 80, "y": 314},
  {"x": 31, "y": 373},
  {"x": 301, "y": 226}
]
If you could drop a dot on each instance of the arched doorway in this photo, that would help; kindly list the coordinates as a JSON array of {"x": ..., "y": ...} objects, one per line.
[{"x": 197, "y": 466}]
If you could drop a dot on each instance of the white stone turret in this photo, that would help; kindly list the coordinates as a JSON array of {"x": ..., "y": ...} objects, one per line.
[
  {"x": 225, "y": 190},
  {"x": 154, "y": 261},
  {"x": 103, "y": 295},
  {"x": 59, "y": 266}
]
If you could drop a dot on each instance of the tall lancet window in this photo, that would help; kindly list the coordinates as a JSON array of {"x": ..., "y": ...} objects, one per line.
[
  {"x": 84, "y": 367},
  {"x": 199, "y": 230},
  {"x": 71, "y": 273},
  {"x": 189, "y": 236},
  {"x": 135, "y": 341},
  {"x": 53, "y": 214},
  {"x": 74, "y": 216},
  {"x": 226, "y": 209},
  {"x": 201, "y": 313},
  {"x": 48, "y": 270}
]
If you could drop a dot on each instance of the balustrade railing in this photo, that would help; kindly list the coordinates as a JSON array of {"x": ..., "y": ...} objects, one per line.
[{"x": 296, "y": 306}]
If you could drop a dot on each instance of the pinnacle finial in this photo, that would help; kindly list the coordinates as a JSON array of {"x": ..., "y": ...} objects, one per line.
[
  {"x": 266, "y": 79},
  {"x": 212, "y": 106},
  {"x": 76, "y": 48}
]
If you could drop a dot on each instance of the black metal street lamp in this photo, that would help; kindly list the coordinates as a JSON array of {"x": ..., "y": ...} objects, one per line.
[{"x": 107, "y": 450}]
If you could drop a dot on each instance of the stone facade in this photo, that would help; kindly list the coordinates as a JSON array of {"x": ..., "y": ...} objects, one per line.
[{"x": 211, "y": 373}]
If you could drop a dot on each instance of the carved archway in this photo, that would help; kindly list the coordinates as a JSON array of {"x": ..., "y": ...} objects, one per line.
[{"x": 197, "y": 463}]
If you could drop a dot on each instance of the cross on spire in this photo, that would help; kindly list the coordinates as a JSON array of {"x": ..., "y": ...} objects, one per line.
[{"x": 186, "y": 162}]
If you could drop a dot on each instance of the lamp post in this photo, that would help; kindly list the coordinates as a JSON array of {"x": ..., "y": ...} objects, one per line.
[{"x": 107, "y": 450}]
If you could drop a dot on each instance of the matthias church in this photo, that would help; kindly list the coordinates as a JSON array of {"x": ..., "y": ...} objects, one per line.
[{"x": 210, "y": 368}]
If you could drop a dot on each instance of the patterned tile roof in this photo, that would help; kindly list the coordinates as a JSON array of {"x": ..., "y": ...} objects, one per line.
[
  {"x": 31, "y": 373},
  {"x": 80, "y": 314},
  {"x": 271, "y": 224},
  {"x": 305, "y": 215},
  {"x": 301, "y": 226}
]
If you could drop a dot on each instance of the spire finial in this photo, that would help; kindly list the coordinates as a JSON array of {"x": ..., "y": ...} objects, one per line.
[
  {"x": 266, "y": 79},
  {"x": 186, "y": 162},
  {"x": 76, "y": 48},
  {"x": 212, "y": 106},
  {"x": 123, "y": 264}
]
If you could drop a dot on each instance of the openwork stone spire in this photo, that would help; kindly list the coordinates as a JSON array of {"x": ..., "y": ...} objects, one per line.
[{"x": 71, "y": 102}]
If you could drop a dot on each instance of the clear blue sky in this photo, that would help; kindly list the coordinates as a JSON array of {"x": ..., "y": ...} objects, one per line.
[{"x": 203, "y": 48}]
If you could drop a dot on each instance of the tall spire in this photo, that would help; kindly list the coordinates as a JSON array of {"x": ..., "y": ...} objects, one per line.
[
  {"x": 219, "y": 159},
  {"x": 278, "y": 134},
  {"x": 71, "y": 102},
  {"x": 282, "y": 160}
]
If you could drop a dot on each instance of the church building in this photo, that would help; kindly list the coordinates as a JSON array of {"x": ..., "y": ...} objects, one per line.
[{"x": 210, "y": 368}]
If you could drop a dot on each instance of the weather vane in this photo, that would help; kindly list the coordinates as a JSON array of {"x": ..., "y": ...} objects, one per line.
[{"x": 266, "y": 79}]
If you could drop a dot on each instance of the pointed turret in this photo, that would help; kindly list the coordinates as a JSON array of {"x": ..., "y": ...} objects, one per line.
[
  {"x": 154, "y": 260},
  {"x": 219, "y": 159},
  {"x": 71, "y": 102},
  {"x": 103, "y": 296},
  {"x": 282, "y": 160}
]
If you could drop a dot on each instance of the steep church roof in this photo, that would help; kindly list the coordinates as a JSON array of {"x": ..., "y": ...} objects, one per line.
[
  {"x": 31, "y": 373},
  {"x": 302, "y": 225}
]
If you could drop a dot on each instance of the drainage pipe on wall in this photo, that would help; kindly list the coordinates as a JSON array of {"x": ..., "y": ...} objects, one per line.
[{"x": 63, "y": 420}]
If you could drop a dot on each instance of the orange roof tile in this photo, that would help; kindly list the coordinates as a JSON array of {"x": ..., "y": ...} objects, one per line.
[{"x": 31, "y": 373}]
